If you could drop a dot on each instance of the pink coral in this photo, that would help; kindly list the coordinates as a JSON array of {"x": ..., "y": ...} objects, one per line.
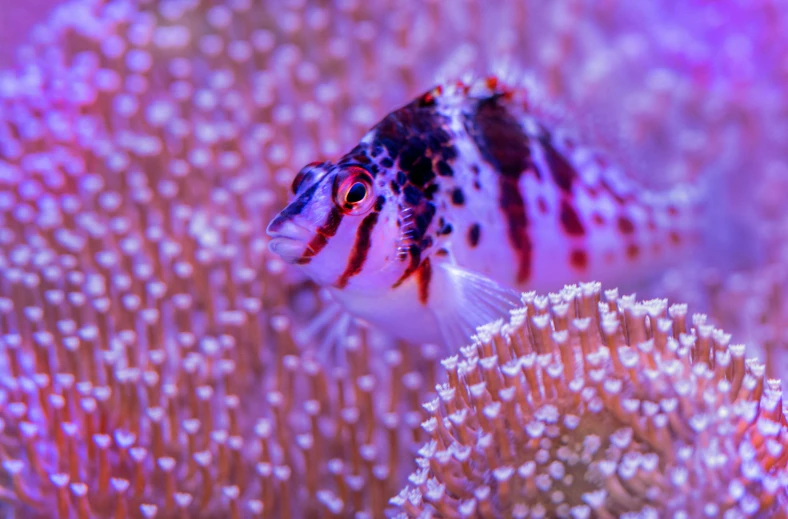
[{"x": 590, "y": 406}]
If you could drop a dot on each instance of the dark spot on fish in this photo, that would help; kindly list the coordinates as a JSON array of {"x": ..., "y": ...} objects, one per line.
[
  {"x": 444, "y": 169},
  {"x": 412, "y": 152},
  {"x": 675, "y": 238},
  {"x": 633, "y": 251},
  {"x": 445, "y": 229},
  {"x": 578, "y": 259},
  {"x": 474, "y": 234},
  {"x": 381, "y": 200},
  {"x": 430, "y": 191},
  {"x": 457, "y": 197},
  {"x": 401, "y": 178},
  {"x": 448, "y": 152},
  {"x": 377, "y": 149},
  {"x": 421, "y": 172},
  {"x": 475, "y": 169},
  {"x": 387, "y": 163},
  {"x": 423, "y": 219},
  {"x": 391, "y": 144},
  {"x": 625, "y": 225},
  {"x": 394, "y": 186},
  {"x": 570, "y": 220},
  {"x": 477, "y": 185},
  {"x": 598, "y": 219},
  {"x": 412, "y": 195},
  {"x": 441, "y": 136},
  {"x": 435, "y": 142}
]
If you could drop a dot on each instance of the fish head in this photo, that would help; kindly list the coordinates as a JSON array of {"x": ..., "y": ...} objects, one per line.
[{"x": 342, "y": 227}]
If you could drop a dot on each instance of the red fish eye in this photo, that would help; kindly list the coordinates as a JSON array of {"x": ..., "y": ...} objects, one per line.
[{"x": 355, "y": 192}]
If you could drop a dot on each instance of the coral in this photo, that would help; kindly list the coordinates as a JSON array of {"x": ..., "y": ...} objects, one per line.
[
  {"x": 753, "y": 303},
  {"x": 586, "y": 405},
  {"x": 151, "y": 361}
]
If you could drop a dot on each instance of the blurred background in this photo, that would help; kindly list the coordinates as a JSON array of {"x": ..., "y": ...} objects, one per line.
[
  {"x": 145, "y": 145},
  {"x": 17, "y": 21}
]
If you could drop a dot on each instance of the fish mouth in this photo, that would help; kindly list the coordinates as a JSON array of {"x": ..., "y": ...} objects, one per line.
[
  {"x": 289, "y": 249},
  {"x": 288, "y": 239}
]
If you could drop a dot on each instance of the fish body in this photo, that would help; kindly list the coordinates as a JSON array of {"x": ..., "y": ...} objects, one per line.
[{"x": 453, "y": 203}]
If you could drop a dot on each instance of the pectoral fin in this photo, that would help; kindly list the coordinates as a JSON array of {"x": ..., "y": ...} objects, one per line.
[{"x": 464, "y": 300}]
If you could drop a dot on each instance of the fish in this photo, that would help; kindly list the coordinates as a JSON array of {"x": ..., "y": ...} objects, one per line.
[{"x": 454, "y": 204}]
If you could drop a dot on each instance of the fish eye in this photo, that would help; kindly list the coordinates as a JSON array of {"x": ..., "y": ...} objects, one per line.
[{"x": 354, "y": 192}]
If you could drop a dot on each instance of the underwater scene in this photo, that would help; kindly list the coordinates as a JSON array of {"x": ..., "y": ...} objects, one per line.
[{"x": 393, "y": 259}]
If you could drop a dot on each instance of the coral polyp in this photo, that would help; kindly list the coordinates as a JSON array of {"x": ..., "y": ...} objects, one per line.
[{"x": 592, "y": 405}]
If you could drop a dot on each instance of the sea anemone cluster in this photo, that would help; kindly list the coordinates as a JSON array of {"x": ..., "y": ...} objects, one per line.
[
  {"x": 152, "y": 355},
  {"x": 593, "y": 405}
]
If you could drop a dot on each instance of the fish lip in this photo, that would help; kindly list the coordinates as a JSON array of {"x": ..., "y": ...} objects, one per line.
[
  {"x": 288, "y": 239},
  {"x": 287, "y": 248}
]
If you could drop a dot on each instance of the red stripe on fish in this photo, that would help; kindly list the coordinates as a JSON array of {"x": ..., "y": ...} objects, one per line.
[
  {"x": 564, "y": 176},
  {"x": 324, "y": 232},
  {"x": 563, "y": 173},
  {"x": 415, "y": 258},
  {"x": 424, "y": 275},
  {"x": 360, "y": 249}
]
